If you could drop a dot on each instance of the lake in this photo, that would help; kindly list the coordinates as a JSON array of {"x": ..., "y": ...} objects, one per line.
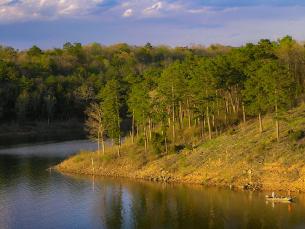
[{"x": 32, "y": 197}]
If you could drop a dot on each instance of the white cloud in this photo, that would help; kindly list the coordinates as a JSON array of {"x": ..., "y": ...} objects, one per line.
[
  {"x": 200, "y": 10},
  {"x": 154, "y": 8},
  {"x": 24, "y": 10},
  {"x": 149, "y": 8},
  {"x": 128, "y": 13},
  {"x": 212, "y": 10}
]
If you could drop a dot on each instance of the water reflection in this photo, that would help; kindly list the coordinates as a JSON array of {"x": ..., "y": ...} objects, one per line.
[
  {"x": 128, "y": 204},
  {"x": 31, "y": 197}
]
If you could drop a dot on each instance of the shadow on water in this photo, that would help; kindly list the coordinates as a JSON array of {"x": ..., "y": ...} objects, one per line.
[
  {"x": 130, "y": 204},
  {"x": 31, "y": 197}
]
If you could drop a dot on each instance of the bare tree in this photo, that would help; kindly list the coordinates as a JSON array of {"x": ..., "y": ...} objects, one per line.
[{"x": 95, "y": 125}]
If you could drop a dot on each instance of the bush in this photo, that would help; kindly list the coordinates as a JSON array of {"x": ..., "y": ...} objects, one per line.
[
  {"x": 188, "y": 147},
  {"x": 141, "y": 141},
  {"x": 158, "y": 143},
  {"x": 179, "y": 148},
  {"x": 231, "y": 131},
  {"x": 105, "y": 158},
  {"x": 296, "y": 135}
]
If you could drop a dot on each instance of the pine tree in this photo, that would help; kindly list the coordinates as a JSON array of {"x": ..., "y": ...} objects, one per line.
[
  {"x": 111, "y": 104},
  {"x": 256, "y": 93},
  {"x": 280, "y": 87}
]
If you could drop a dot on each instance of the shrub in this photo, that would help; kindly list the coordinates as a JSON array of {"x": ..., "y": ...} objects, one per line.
[
  {"x": 296, "y": 135},
  {"x": 188, "y": 147},
  {"x": 105, "y": 158},
  {"x": 141, "y": 141},
  {"x": 231, "y": 131},
  {"x": 179, "y": 148},
  {"x": 158, "y": 143}
]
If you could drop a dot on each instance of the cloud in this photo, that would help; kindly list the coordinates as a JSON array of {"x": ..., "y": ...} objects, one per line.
[
  {"x": 174, "y": 22},
  {"x": 25, "y": 10},
  {"x": 154, "y": 8},
  {"x": 145, "y": 9},
  {"x": 43, "y": 10},
  {"x": 128, "y": 13}
]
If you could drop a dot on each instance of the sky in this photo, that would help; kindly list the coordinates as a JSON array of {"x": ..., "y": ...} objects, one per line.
[{"x": 51, "y": 23}]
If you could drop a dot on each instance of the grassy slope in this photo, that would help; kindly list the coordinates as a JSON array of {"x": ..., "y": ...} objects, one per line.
[{"x": 224, "y": 161}]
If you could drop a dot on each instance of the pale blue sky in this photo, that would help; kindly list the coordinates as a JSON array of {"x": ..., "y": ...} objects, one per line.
[{"x": 50, "y": 23}]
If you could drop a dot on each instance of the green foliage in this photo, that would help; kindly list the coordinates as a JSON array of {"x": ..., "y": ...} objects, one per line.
[
  {"x": 256, "y": 93},
  {"x": 139, "y": 102},
  {"x": 296, "y": 135},
  {"x": 158, "y": 144},
  {"x": 111, "y": 104},
  {"x": 141, "y": 141},
  {"x": 269, "y": 85},
  {"x": 153, "y": 89}
]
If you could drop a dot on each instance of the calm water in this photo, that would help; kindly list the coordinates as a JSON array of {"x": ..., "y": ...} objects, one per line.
[{"x": 31, "y": 197}]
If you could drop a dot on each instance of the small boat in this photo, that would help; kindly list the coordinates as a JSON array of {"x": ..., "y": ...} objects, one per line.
[{"x": 280, "y": 198}]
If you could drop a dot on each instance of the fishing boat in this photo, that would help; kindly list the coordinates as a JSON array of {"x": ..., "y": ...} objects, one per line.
[{"x": 280, "y": 198}]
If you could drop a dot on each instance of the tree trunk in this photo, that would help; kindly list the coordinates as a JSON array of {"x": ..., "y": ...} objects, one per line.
[
  {"x": 244, "y": 113},
  {"x": 132, "y": 127},
  {"x": 103, "y": 145},
  {"x": 202, "y": 127},
  {"x": 213, "y": 121},
  {"x": 119, "y": 128},
  {"x": 188, "y": 113},
  {"x": 226, "y": 118},
  {"x": 145, "y": 139},
  {"x": 277, "y": 126},
  {"x": 149, "y": 128},
  {"x": 119, "y": 150},
  {"x": 174, "y": 132},
  {"x": 217, "y": 104},
  {"x": 165, "y": 141},
  {"x": 232, "y": 103},
  {"x": 260, "y": 123},
  {"x": 180, "y": 115},
  {"x": 227, "y": 107},
  {"x": 173, "y": 118},
  {"x": 209, "y": 124},
  {"x": 98, "y": 141},
  {"x": 277, "y": 130}
]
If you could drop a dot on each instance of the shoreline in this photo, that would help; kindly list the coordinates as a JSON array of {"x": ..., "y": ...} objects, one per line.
[
  {"x": 36, "y": 132},
  {"x": 150, "y": 173},
  {"x": 242, "y": 158},
  {"x": 156, "y": 179},
  {"x": 174, "y": 180}
]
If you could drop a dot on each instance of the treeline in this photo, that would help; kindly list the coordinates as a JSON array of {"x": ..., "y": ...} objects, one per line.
[
  {"x": 152, "y": 91},
  {"x": 209, "y": 92},
  {"x": 58, "y": 84}
]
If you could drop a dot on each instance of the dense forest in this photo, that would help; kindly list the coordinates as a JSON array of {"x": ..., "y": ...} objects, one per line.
[
  {"x": 153, "y": 92},
  {"x": 58, "y": 84}
]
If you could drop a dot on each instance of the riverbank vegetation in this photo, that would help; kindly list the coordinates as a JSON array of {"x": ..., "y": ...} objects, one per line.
[
  {"x": 167, "y": 100},
  {"x": 233, "y": 119},
  {"x": 46, "y": 87},
  {"x": 212, "y": 93},
  {"x": 240, "y": 157}
]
